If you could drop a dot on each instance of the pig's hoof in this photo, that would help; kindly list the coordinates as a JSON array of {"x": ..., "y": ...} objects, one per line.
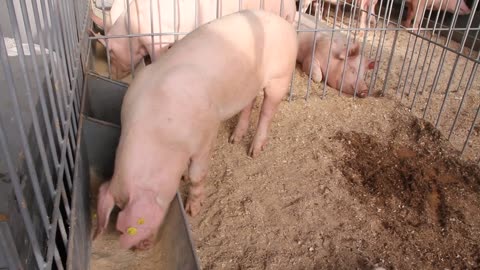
[
  {"x": 255, "y": 150},
  {"x": 193, "y": 207},
  {"x": 363, "y": 94},
  {"x": 235, "y": 138}
]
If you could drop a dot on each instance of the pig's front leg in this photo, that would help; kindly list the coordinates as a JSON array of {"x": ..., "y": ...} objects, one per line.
[
  {"x": 273, "y": 94},
  {"x": 317, "y": 75},
  {"x": 242, "y": 125},
  {"x": 197, "y": 172}
]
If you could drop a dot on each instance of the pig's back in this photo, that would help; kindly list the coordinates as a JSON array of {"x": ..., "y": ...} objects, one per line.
[{"x": 233, "y": 58}]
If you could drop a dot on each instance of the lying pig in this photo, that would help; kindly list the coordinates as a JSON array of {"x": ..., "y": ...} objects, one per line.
[
  {"x": 173, "y": 108},
  {"x": 420, "y": 6},
  {"x": 182, "y": 21},
  {"x": 339, "y": 54}
]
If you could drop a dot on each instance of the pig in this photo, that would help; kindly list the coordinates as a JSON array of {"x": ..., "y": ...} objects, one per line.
[
  {"x": 366, "y": 6},
  {"x": 339, "y": 54},
  {"x": 420, "y": 6},
  {"x": 172, "y": 110},
  {"x": 140, "y": 23}
]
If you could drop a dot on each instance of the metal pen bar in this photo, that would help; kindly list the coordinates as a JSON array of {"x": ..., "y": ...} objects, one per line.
[
  {"x": 12, "y": 89},
  {"x": 395, "y": 38},
  {"x": 54, "y": 59},
  {"x": 330, "y": 50},
  {"x": 152, "y": 54},
  {"x": 35, "y": 118},
  {"x": 17, "y": 188},
  {"x": 132, "y": 68},
  {"x": 470, "y": 131},
  {"x": 347, "y": 50},
  {"x": 379, "y": 54},
  {"x": 464, "y": 39},
  {"x": 61, "y": 66},
  {"x": 313, "y": 55},
  {"x": 442, "y": 61},
  {"x": 107, "y": 48},
  {"x": 58, "y": 260},
  {"x": 46, "y": 68},
  {"x": 423, "y": 66},
  {"x": 468, "y": 87}
]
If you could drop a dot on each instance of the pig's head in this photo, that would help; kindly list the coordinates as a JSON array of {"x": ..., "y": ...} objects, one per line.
[
  {"x": 463, "y": 9},
  {"x": 353, "y": 68},
  {"x": 138, "y": 222},
  {"x": 120, "y": 56}
]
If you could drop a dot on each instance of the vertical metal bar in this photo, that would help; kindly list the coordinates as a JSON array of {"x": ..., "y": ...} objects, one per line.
[
  {"x": 393, "y": 49},
  {"x": 464, "y": 39},
  {"x": 54, "y": 59},
  {"x": 16, "y": 110},
  {"x": 347, "y": 50},
  {"x": 378, "y": 57},
  {"x": 58, "y": 260},
  {"x": 313, "y": 54},
  {"x": 132, "y": 68},
  {"x": 330, "y": 49},
  {"x": 442, "y": 59},
  {"x": 48, "y": 125},
  {"x": 106, "y": 39},
  {"x": 468, "y": 87},
  {"x": 470, "y": 131},
  {"x": 152, "y": 55},
  {"x": 290, "y": 94},
  {"x": 17, "y": 188},
  {"x": 59, "y": 64}
]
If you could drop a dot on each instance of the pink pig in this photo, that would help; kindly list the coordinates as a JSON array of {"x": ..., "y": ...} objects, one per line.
[
  {"x": 420, "y": 6},
  {"x": 173, "y": 108},
  {"x": 339, "y": 55},
  {"x": 140, "y": 23}
]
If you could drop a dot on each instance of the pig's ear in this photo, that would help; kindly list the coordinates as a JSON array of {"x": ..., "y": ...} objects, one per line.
[
  {"x": 101, "y": 40},
  {"x": 353, "y": 50},
  {"x": 105, "y": 206}
]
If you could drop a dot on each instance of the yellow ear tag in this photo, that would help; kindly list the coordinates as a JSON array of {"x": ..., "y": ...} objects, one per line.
[
  {"x": 132, "y": 230},
  {"x": 140, "y": 221}
]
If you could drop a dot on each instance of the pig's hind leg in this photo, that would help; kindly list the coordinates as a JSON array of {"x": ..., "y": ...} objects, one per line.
[
  {"x": 242, "y": 125},
  {"x": 273, "y": 94},
  {"x": 197, "y": 172}
]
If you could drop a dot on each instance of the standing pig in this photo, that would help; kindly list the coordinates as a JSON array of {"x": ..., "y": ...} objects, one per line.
[
  {"x": 339, "y": 54},
  {"x": 165, "y": 20},
  {"x": 422, "y": 5},
  {"x": 173, "y": 108}
]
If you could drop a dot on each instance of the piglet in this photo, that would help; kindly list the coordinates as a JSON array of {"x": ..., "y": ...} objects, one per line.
[
  {"x": 417, "y": 7},
  {"x": 339, "y": 54},
  {"x": 173, "y": 108}
]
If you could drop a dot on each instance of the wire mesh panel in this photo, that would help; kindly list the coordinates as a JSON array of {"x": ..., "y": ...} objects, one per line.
[
  {"x": 41, "y": 75},
  {"x": 423, "y": 53}
]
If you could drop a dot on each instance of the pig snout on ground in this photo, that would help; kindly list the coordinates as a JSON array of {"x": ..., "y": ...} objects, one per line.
[
  {"x": 417, "y": 7},
  {"x": 344, "y": 64},
  {"x": 173, "y": 108}
]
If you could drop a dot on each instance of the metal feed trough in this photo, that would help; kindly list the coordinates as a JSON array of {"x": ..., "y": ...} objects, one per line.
[{"x": 60, "y": 114}]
